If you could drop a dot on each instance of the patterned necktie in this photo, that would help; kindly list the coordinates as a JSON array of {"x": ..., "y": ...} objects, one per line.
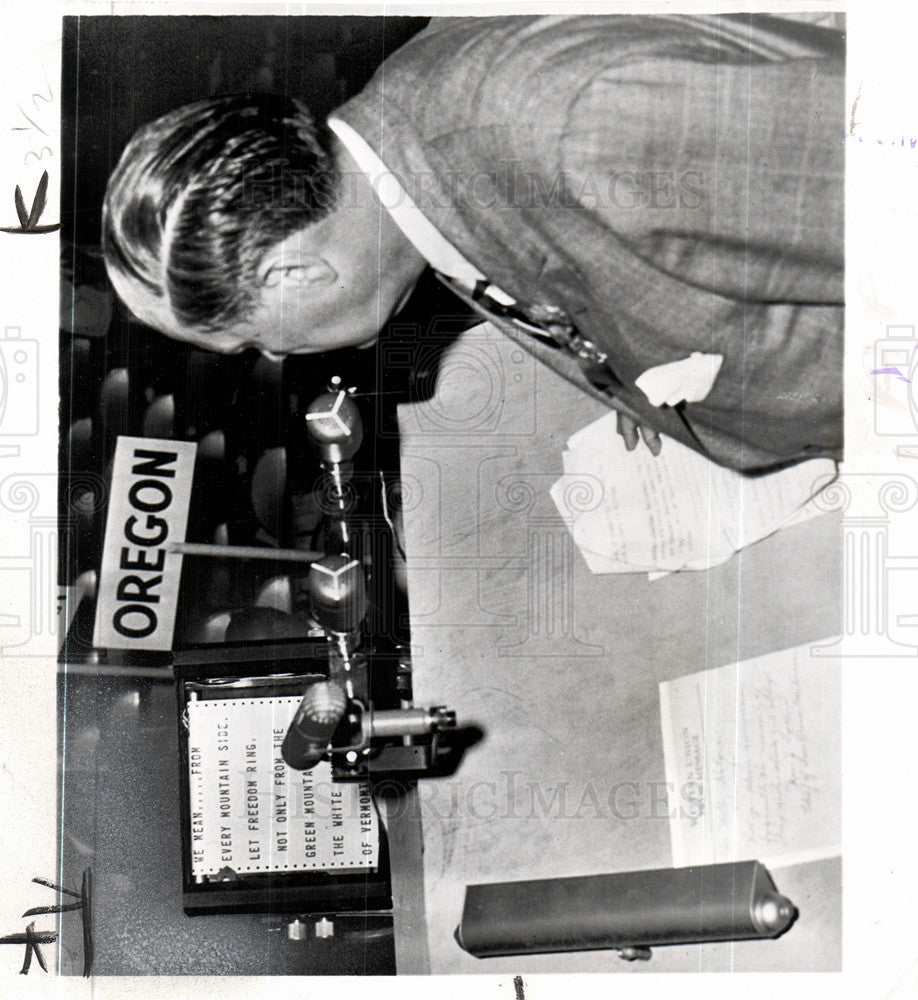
[{"x": 550, "y": 325}]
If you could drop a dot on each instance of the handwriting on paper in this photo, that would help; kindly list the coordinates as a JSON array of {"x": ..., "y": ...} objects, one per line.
[
  {"x": 31, "y": 156},
  {"x": 761, "y": 738}
]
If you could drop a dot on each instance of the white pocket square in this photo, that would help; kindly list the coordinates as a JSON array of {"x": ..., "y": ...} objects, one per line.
[{"x": 689, "y": 379}]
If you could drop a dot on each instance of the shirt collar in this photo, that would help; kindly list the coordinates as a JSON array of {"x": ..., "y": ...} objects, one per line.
[{"x": 430, "y": 243}]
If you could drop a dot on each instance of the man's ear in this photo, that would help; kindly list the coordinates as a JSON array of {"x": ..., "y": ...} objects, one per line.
[{"x": 311, "y": 270}]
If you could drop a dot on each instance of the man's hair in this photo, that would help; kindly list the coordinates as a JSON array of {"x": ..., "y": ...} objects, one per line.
[{"x": 201, "y": 193}]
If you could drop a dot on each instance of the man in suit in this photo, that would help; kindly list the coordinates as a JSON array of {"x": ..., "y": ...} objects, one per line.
[{"x": 652, "y": 205}]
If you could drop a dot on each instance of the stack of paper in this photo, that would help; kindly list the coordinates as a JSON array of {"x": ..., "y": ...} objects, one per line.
[{"x": 631, "y": 512}]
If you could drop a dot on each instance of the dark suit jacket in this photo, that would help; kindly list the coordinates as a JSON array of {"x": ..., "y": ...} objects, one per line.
[{"x": 674, "y": 183}]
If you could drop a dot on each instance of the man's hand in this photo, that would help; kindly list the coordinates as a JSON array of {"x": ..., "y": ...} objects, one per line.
[{"x": 630, "y": 430}]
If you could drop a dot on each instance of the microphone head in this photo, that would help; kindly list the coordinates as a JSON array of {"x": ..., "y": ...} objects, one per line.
[
  {"x": 333, "y": 422},
  {"x": 316, "y": 719},
  {"x": 337, "y": 593}
]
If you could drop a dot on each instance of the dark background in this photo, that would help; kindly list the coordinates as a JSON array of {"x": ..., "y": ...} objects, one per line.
[
  {"x": 254, "y": 471},
  {"x": 253, "y": 477},
  {"x": 120, "y": 72}
]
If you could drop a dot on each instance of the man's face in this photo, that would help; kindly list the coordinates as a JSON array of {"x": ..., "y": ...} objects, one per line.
[
  {"x": 293, "y": 322},
  {"x": 333, "y": 285}
]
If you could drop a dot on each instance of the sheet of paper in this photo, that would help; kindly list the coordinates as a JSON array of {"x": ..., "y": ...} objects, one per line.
[
  {"x": 753, "y": 760},
  {"x": 675, "y": 511},
  {"x": 252, "y": 813}
]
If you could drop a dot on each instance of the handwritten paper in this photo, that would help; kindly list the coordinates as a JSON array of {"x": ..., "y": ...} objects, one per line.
[
  {"x": 753, "y": 760},
  {"x": 675, "y": 511},
  {"x": 250, "y": 812}
]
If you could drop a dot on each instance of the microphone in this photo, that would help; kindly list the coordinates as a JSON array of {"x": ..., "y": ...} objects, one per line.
[
  {"x": 338, "y": 601},
  {"x": 333, "y": 422},
  {"x": 337, "y": 593},
  {"x": 316, "y": 719}
]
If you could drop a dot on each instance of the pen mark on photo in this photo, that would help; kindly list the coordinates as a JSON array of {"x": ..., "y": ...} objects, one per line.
[{"x": 890, "y": 371}]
